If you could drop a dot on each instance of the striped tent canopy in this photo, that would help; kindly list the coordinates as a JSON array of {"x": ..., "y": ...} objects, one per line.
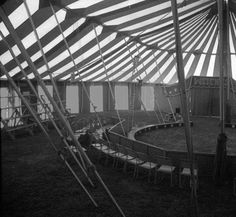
[{"x": 116, "y": 40}]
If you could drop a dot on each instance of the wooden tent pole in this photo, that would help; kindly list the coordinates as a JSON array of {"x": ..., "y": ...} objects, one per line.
[
  {"x": 44, "y": 57},
  {"x": 91, "y": 166},
  {"x": 221, "y": 64},
  {"x": 34, "y": 114},
  {"x": 185, "y": 109},
  {"x": 87, "y": 94},
  {"x": 39, "y": 79},
  {"x": 77, "y": 69},
  {"x": 227, "y": 52},
  {"x": 109, "y": 83},
  {"x": 221, "y": 151},
  {"x": 46, "y": 110}
]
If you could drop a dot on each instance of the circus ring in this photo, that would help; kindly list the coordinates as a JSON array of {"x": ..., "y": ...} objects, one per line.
[{"x": 204, "y": 158}]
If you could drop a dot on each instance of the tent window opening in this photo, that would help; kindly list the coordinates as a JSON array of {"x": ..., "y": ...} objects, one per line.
[
  {"x": 121, "y": 96},
  {"x": 96, "y": 96},
  {"x": 72, "y": 99},
  {"x": 147, "y": 98},
  {"x": 4, "y": 104},
  {"x": 9, "y": 102},
  {"x": 42, "y": 95}
]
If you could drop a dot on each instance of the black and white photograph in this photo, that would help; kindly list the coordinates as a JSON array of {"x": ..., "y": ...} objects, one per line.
[{"x": 118, "y": 108}]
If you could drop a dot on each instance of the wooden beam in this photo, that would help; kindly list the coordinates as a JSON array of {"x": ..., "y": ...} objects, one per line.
[
  {"x": 41, "y": 83},
  {"x": 184, "y": 105},
  {"x": 221, "y": 64}
]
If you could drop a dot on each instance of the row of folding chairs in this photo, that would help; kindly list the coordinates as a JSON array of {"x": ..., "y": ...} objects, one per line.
[{"x": 155, "y": 166}]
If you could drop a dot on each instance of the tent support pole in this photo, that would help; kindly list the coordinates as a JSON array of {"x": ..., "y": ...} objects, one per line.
[
  {"x": 34, "y": 114},
  {"x": 109, "y": 84},
  {"x": 87, "y": 159},
  {"x": 77, "y": 69},
  {"x": 221, "y": 151},
  {"x": 44, "y": 57},
  {"x": 41, "y": 83},
  {"x": 60, "y": 115},
  {"x": 185, "y": 109},
  {"x": 46, "y": 110},
  {"x": 221, "y": 65}
]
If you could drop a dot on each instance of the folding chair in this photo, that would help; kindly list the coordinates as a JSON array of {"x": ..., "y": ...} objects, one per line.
[
  {"x": 184, "y": 171},
  {"x": 146, "y": 165},
  {"x": 165, "y": 167},
  {"x": 132, "y": 159},
  {"x": 124, "y": 156}
]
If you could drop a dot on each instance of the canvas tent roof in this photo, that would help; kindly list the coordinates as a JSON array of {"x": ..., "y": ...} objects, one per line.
[{"x": 136, "y": 38}]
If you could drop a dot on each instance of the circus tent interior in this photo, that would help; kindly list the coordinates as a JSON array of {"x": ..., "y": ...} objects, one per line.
[{"x": 100, "y": 82}]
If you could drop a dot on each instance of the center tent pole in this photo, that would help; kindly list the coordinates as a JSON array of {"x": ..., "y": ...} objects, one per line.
[
  {"x": 221, "y": 65},
  {"x": 34, "y": 114},
  {"x": 48, "y": 112},
  {"x": 185, "y": 109}
]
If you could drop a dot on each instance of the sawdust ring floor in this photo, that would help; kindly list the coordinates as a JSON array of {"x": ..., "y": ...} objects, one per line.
[{"x": 204, "y": 133}]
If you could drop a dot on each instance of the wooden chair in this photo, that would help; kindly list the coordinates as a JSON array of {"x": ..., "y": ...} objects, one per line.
[
  {"x": 132, "y": 159},
  {"x": 184, "y": 171},
  {"x": 146, "y": 165},
  {"x": 165, "y": 167},
  {"x": 111, "y": 152},
  {"x": 122, "y": 155}
]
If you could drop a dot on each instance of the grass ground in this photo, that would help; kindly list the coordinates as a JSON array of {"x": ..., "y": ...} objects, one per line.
[{"x": 36, "y": 183}]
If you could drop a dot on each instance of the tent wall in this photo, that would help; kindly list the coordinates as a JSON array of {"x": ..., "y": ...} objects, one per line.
[
  {"x": 61, "y": 87},
  {"x": 108, "y": 102},
  {"x": 84, "y": 103},
  {"x": 134, "y": 93},
  {"x": 96, "y": 96},
  {"x": 161, "y": 100},
  {"x": 147, "y": 97},
  {"x": 121, "y": 96},
  {"x": 205, "y": 96},
  {"x": 72, "y": 98},
  {"x": 202, "y": 92},
  {"x": 205, "y": 101}
]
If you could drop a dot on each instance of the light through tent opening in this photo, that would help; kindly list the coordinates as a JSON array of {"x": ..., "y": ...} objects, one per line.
[
  {"x": 16, "y": 104},
  {"x": 147, "y": 97},
  {"x": 96, "y": 96},
  {"x": 41, "y": 94},
  {"x": 72, "y": 98},
  {"x": 4, "y": 103},
  {"x": 121, "y": 96},
  {"x": 9, "y": 101}
]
